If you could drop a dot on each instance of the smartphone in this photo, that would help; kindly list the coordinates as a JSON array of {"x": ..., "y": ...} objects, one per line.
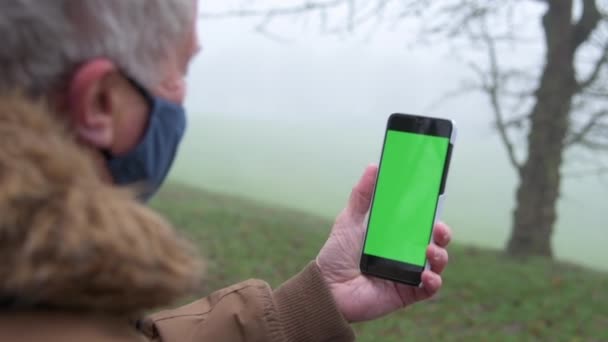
[{"x": 408, "y": 197}]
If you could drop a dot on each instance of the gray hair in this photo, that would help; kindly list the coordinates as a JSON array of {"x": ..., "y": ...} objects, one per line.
[{"x": 42, "y": 41}]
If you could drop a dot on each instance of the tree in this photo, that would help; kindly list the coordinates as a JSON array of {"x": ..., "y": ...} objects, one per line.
[{"x": 555, "y": 107}]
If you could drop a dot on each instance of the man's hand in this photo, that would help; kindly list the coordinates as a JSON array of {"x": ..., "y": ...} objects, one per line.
[{"x": 362, "y": 298}]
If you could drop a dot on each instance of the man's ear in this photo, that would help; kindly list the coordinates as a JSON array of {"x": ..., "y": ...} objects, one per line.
[{"x": 90, "y": 102}]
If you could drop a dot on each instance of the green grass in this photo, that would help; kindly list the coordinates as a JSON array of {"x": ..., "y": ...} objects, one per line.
[{"x": 486, "y": 297}]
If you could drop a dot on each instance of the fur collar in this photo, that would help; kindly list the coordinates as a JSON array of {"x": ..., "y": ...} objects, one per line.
[{"x": 67, "y": 240}]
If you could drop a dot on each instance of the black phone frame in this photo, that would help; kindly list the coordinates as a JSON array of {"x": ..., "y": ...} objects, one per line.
[{"x": 396, "y": 271}]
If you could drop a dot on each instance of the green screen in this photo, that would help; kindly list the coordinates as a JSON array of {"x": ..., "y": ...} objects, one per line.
[{"x": 406, "y": 197}]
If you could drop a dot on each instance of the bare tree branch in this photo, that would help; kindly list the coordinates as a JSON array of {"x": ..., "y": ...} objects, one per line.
[
  {"x": 487, "y": 26},
  {"x": 595, "y": 146},
  {"x": 493, "y": 90},
  {"x": 596, "y": 70},
  {"x": 581, "y": 136},
  {"x": 586, "y": 173},
  {"x": 357, "y": 13},
  {"x": 586, "y": 163},
  {"x": 304, "y": 7},
  {"x": 587, "y": 24},
  {"x": 594, "y": 93},
  {"x": 518, "y": 121},
  {"x": 456, "y": 18}
]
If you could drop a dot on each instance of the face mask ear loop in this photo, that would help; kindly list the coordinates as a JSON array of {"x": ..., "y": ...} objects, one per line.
[
  {"x": 107, "y": 153},
  {"x": 149, "y": 97}
]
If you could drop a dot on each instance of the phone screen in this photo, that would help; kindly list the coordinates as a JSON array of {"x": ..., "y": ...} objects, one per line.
[{"x": 406, "y": 197}]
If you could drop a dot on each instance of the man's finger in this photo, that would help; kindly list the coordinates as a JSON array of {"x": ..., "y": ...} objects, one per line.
[
  {"x": 442, "y": 235},
  {"x": 361, "y": 197},
  {"x": 438, "y": 258},
  {"x": 431, "y": 283}
]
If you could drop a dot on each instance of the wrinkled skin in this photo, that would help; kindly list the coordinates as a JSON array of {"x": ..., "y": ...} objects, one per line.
[{"x": 362, "y": 298}]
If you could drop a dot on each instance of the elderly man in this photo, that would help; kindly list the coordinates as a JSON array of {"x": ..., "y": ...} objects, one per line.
[{"x": 91, "y": 116}]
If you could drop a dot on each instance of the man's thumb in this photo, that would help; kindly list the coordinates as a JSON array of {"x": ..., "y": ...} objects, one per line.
[{"x": 361, "y": 197}]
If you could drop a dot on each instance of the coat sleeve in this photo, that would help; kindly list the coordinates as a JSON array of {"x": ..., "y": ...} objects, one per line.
[{"x": 302, "y": 309}]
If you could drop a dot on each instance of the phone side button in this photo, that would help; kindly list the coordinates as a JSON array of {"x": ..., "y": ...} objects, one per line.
[{"x": 446, "y": 170}]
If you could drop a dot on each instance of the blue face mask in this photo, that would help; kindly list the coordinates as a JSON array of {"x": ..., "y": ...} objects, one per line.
[{"x": 149, "y": 163}]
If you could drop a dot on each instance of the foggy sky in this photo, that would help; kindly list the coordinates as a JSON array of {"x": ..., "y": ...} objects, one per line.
[{"x": 342, "y": 88}]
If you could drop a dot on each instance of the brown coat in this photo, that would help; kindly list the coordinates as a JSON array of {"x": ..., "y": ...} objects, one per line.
[{"x": 80, "y": 259}]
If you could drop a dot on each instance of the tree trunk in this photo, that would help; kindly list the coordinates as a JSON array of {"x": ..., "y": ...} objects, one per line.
[{"x": 539, "y": 188}]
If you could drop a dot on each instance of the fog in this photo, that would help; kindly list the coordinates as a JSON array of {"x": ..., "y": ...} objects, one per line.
[{"x": 293, "y": 124}]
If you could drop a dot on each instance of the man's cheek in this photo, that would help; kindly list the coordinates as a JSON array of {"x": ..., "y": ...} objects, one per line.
[{"x": 173, "y": 90}]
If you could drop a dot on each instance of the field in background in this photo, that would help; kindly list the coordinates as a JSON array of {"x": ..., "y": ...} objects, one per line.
[
  {"x": 486, "y": 297},
  {"x": 311, "y": 164}
]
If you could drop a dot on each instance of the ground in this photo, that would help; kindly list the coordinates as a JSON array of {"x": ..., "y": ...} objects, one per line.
[{"x": 487, "y": 297}]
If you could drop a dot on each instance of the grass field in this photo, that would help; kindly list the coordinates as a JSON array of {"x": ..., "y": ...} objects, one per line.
[{"x": 486, "y": 296}]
